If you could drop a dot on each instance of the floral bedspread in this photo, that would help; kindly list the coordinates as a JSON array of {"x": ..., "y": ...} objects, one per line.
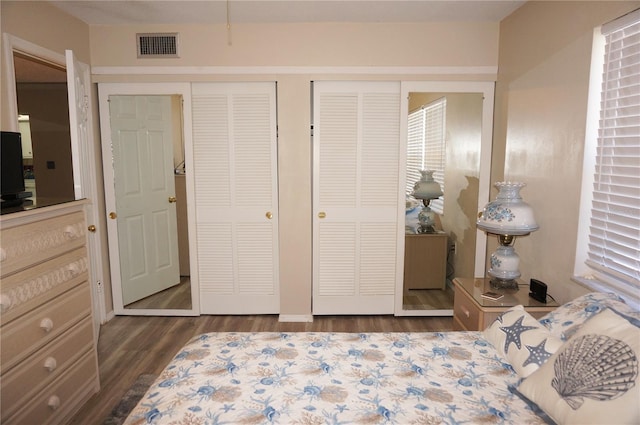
[{"x": 334, "y": 378}]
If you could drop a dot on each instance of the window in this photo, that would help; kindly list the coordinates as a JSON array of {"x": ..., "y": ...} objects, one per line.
[
  {"x": 608, "y": 251},
  {"x": 426, "y": 146}
]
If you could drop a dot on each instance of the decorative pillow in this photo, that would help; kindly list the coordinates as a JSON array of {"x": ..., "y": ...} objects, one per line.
[
  {"x": 565, "y": 320},
  {"x": 593, "y": 377},
  {"x": 522, "y": 340}
]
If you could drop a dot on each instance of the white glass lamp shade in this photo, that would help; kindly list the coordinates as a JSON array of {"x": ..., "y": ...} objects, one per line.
[
  {"x": 426, "y": 188},
  {"x": 508, "y": 214}
]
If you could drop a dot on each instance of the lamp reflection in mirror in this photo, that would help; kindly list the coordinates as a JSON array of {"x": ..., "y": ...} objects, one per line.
[
  {"x": 507, "y": 217},
  {"x": 426, "y": 189}
]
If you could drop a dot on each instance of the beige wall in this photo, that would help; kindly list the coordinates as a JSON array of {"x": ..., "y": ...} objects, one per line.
[
  {"x": 317, "y": 45},
  {"x": 311, "y": 46},
  {"x": 543, "y": 58},
  {"x": 541, "y": 104}
]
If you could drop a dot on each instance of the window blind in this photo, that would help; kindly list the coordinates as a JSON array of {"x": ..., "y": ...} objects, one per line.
[
  {"x": 426, "y": 147},
  {"x": 614, "y": 231}
]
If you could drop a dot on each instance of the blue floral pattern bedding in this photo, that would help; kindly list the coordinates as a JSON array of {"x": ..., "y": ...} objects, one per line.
[{"x": 335, "y": 378}]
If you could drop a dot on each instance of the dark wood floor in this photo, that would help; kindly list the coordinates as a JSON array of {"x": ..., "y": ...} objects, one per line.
[{"x": 133, "y": 345}]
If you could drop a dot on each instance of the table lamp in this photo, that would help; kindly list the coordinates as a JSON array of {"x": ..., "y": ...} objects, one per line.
[
  {"x": 426, "y": 189},
  {"x": 507, "y": 217}
]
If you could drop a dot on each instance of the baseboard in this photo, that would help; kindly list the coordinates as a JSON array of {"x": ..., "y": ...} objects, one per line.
[
  {"x": 295, "y": 318},
  {"x": 109, "y": 316}
]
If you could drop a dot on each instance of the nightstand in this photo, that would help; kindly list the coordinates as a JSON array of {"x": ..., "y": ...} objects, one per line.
[
  {"x": 425, "y": 261},
  {"x": 471, "y": 312}
]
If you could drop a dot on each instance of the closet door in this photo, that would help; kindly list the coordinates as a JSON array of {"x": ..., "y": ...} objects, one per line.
[
  {"x": 355, "y": 194},
  {"x": 234, "y": 150}
]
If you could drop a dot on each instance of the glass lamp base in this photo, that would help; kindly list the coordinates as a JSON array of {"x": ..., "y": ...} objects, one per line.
[
  {"x": 422, "y": 229},
  {"x": 503, "y": 284}
]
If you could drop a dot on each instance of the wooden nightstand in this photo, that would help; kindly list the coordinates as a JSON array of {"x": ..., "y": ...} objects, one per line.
[
  {"x": 471, "y": 312},
  {"x": 425, "y": 261}
]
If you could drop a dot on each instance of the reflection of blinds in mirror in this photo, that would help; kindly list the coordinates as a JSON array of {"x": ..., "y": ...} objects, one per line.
[{"x": 426, "y": 146}]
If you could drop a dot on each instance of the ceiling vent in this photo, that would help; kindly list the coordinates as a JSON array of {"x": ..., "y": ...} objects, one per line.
[{"x": 157, "y": 45}]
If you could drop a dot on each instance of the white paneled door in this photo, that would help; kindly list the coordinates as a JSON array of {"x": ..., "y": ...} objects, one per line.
[
  {"x": 356, "y": 144},
  {"x": 144, "y": 184},
  {"x": 235, "y": 171}
]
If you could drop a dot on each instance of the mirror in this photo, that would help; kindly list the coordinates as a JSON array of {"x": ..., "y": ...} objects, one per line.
[
  {"x": 43, "y": 121},
  {"x": 146, "y": 190},
  {"x": 447, "y": 129}
]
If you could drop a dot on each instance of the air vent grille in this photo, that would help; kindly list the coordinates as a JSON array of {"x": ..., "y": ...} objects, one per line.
[{"x": 157, "y": 45}]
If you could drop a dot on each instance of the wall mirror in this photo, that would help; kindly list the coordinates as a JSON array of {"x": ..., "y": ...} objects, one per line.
[
  {"x": 446, "y": 127},
  {"x": 143, "y": 145},
  {"x": 43, "y": 121}
]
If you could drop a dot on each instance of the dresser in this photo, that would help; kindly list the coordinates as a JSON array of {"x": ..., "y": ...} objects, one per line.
[
  {"x": 48, "y": 357},
  {"x": 425, "y": 261},
  {"x": 472, "y": 312}
]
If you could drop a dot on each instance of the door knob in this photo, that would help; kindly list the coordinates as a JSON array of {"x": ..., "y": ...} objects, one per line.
[
  {"x": 269, "y": 215},
  {"x": 322, "y": 214},
  {"x": 112, "y": 215},
  {"x": 172, "y": 199},
  {"x": 92, "y": 228}
]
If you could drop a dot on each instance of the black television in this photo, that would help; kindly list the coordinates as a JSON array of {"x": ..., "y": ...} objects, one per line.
[{"x": 12, "y": 190}]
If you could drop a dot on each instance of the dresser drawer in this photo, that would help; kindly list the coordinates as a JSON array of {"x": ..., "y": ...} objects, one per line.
[
  {"x": 23, "y": 291},
  {"x": 32, "y": 243},
  {"x": 61, "y": 399},
  {"x": 465, "y": 312},
  {"x": 24, "y": 381},
  {"x": 22, "y": 337}
]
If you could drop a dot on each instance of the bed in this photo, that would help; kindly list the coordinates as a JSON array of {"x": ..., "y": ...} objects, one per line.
[{"x": 503, "y": 375}]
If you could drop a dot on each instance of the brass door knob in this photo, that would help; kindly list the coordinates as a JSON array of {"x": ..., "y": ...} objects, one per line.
[
  {"x": 172, "y": 199},
  {"x": 269, "y": 215},
  {"x": 112, "y": 215},
  {"x": 322, "y": 214},
  {"x": 92, "y": 228}
]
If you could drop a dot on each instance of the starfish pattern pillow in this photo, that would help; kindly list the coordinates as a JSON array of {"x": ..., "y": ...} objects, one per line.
[{"x": 522, "y": 340}]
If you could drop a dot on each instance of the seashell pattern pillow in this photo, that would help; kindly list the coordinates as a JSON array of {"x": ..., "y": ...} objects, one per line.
[
  {"x": 522, "y": 340},
  {"x": 567, "y": 319},
  {"x": 593, "y": 378}
]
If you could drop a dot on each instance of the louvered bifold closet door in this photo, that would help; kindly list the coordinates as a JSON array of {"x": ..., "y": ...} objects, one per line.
[
  {"x": 235, "y": 168},
  {"x": 355, "y": 195}
]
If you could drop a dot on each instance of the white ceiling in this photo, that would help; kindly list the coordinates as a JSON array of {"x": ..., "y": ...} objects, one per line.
[{"x": 105, "y": 12}]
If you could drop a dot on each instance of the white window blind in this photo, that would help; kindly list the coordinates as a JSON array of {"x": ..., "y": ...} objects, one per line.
[
  {"x": 426, "y": 147},
  {"x": 613, "y": 252}
]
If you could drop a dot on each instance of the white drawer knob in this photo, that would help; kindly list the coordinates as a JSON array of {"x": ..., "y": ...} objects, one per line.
[
  {"x": 46, "y": 324},
  {"x": 70, "y": 232},
  {"x": 466, "y": 312},
  {"x": 50, "y": 364},
  {"x": 5, "y": 302},
  {"x": 54, "y": 402}
]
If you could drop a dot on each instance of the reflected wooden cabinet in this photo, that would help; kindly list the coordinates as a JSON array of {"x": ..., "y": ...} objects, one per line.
[{"x": 425, "y": 261}]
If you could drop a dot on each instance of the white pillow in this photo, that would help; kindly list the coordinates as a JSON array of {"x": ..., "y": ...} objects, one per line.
[
  {"x": 593, "y": 377},
  {"x": 522, "y": 340}
]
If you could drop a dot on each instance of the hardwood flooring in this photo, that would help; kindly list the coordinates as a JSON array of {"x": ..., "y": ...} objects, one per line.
[
  {"x": 179, "y": 297},
  {"x": 133, "y": 345},
  {"x": 426, "y": 299}
]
